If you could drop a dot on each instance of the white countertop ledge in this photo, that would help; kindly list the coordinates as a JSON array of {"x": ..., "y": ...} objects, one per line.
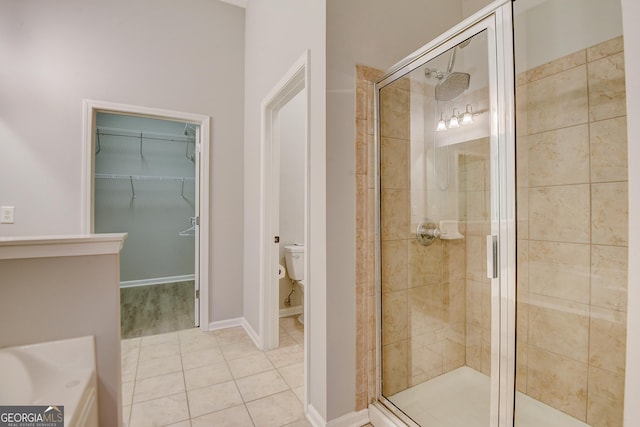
[{"x": 60, "y": 246}]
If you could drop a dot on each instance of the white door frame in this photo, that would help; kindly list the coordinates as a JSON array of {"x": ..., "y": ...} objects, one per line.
[
  {"x": 90, "y": 108},
  {"x": 294, "y": 81}
]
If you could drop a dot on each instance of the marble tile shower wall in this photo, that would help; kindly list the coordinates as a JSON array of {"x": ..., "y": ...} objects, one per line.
[
  {"x": 423, "y": 315},
  {"x": 572, "y": 239},
  {"x": 474, "y": 197},
  {"x": 365, "y": 238},
  {"x": 395, "y": 244},
  {"x": 572, "y": 233}
]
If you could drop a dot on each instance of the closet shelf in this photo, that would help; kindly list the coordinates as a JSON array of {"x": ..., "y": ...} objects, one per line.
[
  {"x": 132, "y": 178},
  {"x": 132, "y": 133},
  {"x": 188, "y": 138},
  {"x": 144, "y": 177}
]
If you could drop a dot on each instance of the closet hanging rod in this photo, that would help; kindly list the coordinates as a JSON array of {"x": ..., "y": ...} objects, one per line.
[
  {"x": 191, "y": 231},
  {"x": 130, "y": 133},
  {"x": 143, "y": 177}
]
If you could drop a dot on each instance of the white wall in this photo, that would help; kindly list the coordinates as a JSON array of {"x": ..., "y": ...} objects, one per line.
[
  {"x": 184, "y": 56},
  {"x": 278, "y": 32},
  {"x": 631, "y": 12},
  {"x": 378, "y": 34},
  {"x": 469, "y": 7},
  {"x": 292, "y": 131},
  {"x": 557, "y": 30}
]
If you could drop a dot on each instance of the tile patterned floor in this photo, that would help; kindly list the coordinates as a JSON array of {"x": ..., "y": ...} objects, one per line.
[{"x": 194, "y": 379}]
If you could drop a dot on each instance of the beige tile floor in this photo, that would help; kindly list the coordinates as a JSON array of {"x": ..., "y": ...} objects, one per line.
[{"x": 219, "y": 378}]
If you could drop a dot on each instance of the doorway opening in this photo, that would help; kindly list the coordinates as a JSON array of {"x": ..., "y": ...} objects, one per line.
[
  {"x": 285, "y": 209},
  {"x": 291, "y": 191},
  {"x": 146, "y": 173}
]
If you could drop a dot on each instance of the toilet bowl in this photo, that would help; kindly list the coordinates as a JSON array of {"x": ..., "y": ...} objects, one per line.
[{"x": 294, "y": 259}]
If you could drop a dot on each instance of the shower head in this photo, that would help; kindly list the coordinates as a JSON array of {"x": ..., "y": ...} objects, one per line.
[
  {"x": 453, "y": 83},
  {"x": 452, "y": 86},
  {"x": 465, "y": 43}
]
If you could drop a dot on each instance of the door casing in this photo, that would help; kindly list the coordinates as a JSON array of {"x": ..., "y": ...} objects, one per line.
[
  {"x": 292, "y": 83},
  {"x": 90, "y": 108}
]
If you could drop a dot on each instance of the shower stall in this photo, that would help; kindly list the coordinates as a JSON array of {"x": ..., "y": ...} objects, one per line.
[{"x": 501, "y": 222}]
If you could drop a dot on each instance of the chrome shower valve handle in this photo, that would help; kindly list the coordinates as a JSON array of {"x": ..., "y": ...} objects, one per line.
[{"x": 427, "y": 232}]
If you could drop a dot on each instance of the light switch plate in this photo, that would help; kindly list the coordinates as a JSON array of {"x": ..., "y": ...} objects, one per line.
[{"x": 7, "y": 214}]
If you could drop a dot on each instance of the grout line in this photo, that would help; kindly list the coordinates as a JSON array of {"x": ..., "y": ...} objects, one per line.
[
  {"x": 218, "y": 347},
  {"x": 135, "y": 375},
  {"x": 184, "y": 380}
]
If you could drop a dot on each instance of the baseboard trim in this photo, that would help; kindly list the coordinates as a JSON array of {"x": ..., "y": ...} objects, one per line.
[
  {"x": 290, "y": 311},
  {"x": 252, "y": 333},
  {"x": 232, "y": 323},
  {"x": 314, "y": 417},
  {"x": 227, "y": 323},
  {"x": 157, "y": 281},
  {"x": 352, "y": 419}
]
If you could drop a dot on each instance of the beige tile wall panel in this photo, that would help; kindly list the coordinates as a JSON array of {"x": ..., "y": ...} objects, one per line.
[
  {"x": 558, "y": 381},
  {"x": 557, "y": 101},
  {"x": 609, "y": 150},
  {"x": 550, "y": 153},
  {"x": 607, "y": 96},
  {"x": 394, "y": 368},
  {"x": 610, "y": 213},
  {"x": 609, "y": 277},
  {"x": 559, "y": 326},
  {"x": 560, "y": 270},
  {"x": 560, "y": 213},
  {"x": 607, "y": 340},
  {"x": 572, "y": 275},
  {"x": 605, "y": 399}
]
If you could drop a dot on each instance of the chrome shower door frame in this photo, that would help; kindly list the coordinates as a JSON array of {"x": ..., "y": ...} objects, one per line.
[{"x": 497, "y": 20}]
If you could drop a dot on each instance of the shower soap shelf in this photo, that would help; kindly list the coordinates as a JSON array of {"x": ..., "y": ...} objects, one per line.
[
  {"x": 449, "y": 230},
  {"x": 427, "y": 231}
]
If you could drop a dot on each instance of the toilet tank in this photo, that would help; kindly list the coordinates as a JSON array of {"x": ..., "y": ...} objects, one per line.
[{"x": 294, "y": 258}]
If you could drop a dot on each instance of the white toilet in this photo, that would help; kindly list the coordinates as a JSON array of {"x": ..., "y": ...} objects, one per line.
[{"x": 294, "y": 258}]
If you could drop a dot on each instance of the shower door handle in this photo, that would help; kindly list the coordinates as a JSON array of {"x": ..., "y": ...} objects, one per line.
[{"x": 492, "y": 256}]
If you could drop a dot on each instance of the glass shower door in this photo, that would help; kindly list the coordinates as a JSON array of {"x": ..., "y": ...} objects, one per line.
[
  {"x": 440, "y": 231},
  {"x": 572, "y": 214}
]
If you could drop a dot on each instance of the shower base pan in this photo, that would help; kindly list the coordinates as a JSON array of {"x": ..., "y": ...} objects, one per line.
[{"x": 460, "y": 398}]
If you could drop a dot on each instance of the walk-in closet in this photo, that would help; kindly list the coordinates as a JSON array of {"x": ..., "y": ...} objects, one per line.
[{"x": 145, "y": 185}]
